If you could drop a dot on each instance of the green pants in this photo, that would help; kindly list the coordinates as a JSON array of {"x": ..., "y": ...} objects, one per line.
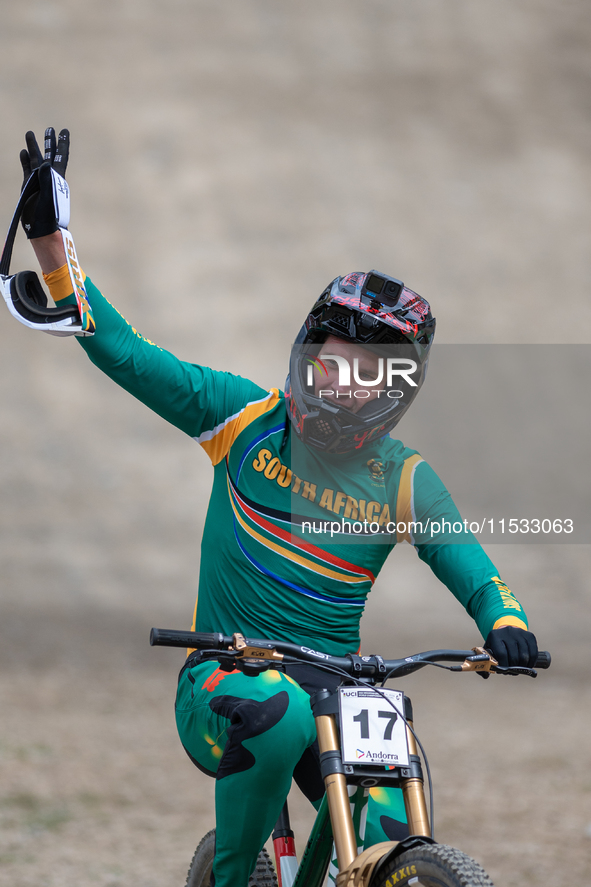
[{"x": 254, "y": 734}]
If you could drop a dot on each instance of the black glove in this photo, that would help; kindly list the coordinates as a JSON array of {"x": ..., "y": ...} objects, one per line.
[
  {"x": 512, "y": 646},
  {"x": 39, "y": 218}
]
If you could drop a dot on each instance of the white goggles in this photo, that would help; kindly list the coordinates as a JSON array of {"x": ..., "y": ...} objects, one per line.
[{"x": 24, "y": 296}]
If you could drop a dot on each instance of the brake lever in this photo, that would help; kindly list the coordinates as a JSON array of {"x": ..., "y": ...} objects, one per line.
[
  {"x": 229, "y": 661},
  {"x": 515, "y": 669}
]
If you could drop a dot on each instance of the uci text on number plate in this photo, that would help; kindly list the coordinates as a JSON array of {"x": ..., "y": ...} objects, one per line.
[{"x": 372, "y": 728}]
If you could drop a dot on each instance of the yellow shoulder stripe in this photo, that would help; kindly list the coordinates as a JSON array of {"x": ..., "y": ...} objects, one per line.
[
  {"x": 405, "y": 499},
  {"x": 218, "y": 441}
]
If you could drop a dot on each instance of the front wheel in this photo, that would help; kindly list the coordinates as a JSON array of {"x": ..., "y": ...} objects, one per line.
[
  {"x": 432, "y": 865},
  {"x": 199, "y": 873}
]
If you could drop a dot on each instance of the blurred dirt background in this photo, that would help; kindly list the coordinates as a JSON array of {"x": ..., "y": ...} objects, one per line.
[{"x": 228, "y": 159}]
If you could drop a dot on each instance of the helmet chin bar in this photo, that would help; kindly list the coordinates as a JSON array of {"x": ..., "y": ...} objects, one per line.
[
  {"x": 24, "y": 296},
  {"x": 339, "y": 430}
]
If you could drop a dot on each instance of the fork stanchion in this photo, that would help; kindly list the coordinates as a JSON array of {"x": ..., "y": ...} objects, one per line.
[
  {"x": 336, "y": 789},
  {"x": 413, "y": 792}
]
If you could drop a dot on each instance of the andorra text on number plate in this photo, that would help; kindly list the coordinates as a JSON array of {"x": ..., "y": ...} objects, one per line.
[{"x": 372, "y": 730}]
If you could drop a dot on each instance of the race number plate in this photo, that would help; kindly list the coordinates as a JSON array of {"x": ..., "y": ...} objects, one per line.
[{"x": 372, "y": 731}]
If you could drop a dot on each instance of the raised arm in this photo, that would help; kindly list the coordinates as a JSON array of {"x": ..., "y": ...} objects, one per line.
[{"x": 194, "y": 398}]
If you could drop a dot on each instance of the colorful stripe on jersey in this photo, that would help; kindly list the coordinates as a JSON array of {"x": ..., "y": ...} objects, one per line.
[
  {"x": 261, "y": 524},
  {"x": 405, "y": 501},
  {"x": 260, "y": 515},
  {"x": 347, "y": 602},
  {"x": 258, "y": 439},
  {"x": 218, "y": 441}
]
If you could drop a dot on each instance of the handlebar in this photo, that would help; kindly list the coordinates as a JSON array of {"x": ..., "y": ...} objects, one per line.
[
  {"x": 544, "y": 659},
  {"x": 358, "y": 666}
]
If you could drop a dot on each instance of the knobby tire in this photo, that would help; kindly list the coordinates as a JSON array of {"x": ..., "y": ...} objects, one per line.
[
  {"x": 432, "y": 865},
  {"x": 202, "y": 863}
]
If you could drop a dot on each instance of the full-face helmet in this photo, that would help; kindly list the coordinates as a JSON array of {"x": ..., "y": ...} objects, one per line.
[{"x": 375, "y": 311}]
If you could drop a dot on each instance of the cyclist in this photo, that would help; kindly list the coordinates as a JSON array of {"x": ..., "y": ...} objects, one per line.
[{"x": 287, "y": 465}]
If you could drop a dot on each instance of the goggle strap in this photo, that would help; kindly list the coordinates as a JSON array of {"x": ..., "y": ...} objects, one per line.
[
  {"x": 31, "y": 187},
  {"x": 87, "y": 323}
]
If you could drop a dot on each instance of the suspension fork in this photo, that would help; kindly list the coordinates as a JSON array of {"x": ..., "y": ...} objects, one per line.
[
  {"x": 413, "y": 790},
  {"x": 333, "y": 773},
  {"x": 332, "y": 770}
]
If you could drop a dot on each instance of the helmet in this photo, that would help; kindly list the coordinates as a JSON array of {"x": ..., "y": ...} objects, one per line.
[{"x": 371, "y": 310}]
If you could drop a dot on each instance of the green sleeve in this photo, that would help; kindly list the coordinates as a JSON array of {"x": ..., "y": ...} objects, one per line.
[
  {"x": 457, "y": 558},
  {"x": 194, "y": 398}
]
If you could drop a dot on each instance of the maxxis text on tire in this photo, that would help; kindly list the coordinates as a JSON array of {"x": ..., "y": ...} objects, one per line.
[{"x": 433, "y": 865}]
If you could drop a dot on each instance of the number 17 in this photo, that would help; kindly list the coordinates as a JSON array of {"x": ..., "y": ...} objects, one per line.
[{"x": 363, "y": 719}]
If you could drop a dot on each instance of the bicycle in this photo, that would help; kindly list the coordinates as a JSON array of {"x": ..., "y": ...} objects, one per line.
[{"x": 388, "y": 758}]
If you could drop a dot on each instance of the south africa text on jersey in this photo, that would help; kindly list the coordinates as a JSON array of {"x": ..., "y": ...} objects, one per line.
[{"x": 335, "y": 501}]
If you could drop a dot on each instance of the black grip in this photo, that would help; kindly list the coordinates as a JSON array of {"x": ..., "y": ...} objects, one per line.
[
  {"x": 166, "y": 637},
  {"x": 544, "y": 659}
]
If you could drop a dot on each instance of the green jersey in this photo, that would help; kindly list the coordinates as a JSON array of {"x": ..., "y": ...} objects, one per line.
[{"x": 270, "y": 562}]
